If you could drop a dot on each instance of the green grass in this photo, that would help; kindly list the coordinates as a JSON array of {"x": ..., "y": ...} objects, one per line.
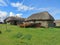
[{"x": 15, "y": 35}]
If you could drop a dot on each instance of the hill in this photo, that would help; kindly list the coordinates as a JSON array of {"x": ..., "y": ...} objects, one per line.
[{"x": 15, "y": 35}]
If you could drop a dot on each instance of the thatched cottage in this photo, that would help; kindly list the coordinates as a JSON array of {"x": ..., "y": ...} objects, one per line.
[
  {"x": 14, "y": 20},
  {"x": 57, "y": 23},
  {"x": 43, "y": 19}
]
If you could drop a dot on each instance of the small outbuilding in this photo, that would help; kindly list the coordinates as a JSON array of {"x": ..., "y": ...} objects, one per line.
[
  {"x": 14, "y": 20},
  {"x": 42, "y": 19},
  {"x": 57, "y": 23}
]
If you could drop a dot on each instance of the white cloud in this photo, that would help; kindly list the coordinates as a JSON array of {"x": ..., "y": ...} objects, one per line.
[
  {"x": 3, "y": 15},
  {"x": 19, "y": 15},
  {"x": 20, "y": 6},
  {"x": 43, "y": 9},
  {"x": 52, "y": 10},
  {"x": 55, "y": 12},
  {"x": 3, "y": 3},
  {"x": 16, "y": 15},
  {"x": 11, "y": 14}
]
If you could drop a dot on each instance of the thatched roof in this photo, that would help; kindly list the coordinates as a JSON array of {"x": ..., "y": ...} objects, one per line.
[
  {"x": 40, "y": 16},
  {"x": 14, "y": 18},
  {"x": 57, "y": 21}
]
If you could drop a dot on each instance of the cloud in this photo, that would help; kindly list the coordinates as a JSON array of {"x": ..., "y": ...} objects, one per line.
[
  {"x": 3, "y": 15},
  {"x": 43, "y": 9},
  {"x": 11, "y": 14},
  {"x": 55, "y": 12},
  {"x": 52, "y": 10},
  {"x": 3, "y": 3},
  {"x": 20, "y": 6},
  {"x": 16, "y": 15},
  {"x": 19, "y": 15}
]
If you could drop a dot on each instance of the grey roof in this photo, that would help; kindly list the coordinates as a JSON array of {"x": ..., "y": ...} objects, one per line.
[
  {"x": 57, "y": 21},
  {"x": 14, "y": 18},
  {"x": 40, "y": 16}
]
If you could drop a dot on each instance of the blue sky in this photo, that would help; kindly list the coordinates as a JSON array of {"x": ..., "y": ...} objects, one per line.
[{"x": 24, "y": 8}]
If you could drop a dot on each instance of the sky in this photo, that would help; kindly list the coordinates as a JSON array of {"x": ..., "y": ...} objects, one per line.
[{"x": 25, "y": 8}]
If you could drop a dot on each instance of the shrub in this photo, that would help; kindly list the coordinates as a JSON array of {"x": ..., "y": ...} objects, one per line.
[
  {"x": 28, "y": 37},
  {"x": 8, "y": 30},
  {"x": 57, "y": 26},
  {"x": 23, "y": 43},
  {"x": 0, "y": 32},
  {"x": 18, "y": 35}
]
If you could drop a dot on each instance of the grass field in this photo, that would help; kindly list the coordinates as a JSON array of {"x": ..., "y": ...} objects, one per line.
[{"x": 15, "y": 35}]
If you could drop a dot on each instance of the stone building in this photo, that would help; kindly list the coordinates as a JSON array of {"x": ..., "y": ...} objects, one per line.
[
  {"x": 14, "y": 20},
  {"x": 57, "y": 23},
  {"x": 43, "y": 19}
]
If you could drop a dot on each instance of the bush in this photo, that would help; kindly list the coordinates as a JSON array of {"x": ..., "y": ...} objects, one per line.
[
  {"x": 57, "y": 26},
  {"x": 8, "y": 30},
  {"x": 28, "y": 37},
  {"x": 0, "y": 32},
  {"x": 23, "y": 43},
  {"x": 18, "y": 35}
]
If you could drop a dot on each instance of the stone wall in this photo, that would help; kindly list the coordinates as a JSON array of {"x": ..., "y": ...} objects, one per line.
[{"x": 57, "y": 22}]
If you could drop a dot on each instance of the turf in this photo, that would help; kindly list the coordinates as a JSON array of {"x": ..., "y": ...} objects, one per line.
[{"x": 14, "y": 35}]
